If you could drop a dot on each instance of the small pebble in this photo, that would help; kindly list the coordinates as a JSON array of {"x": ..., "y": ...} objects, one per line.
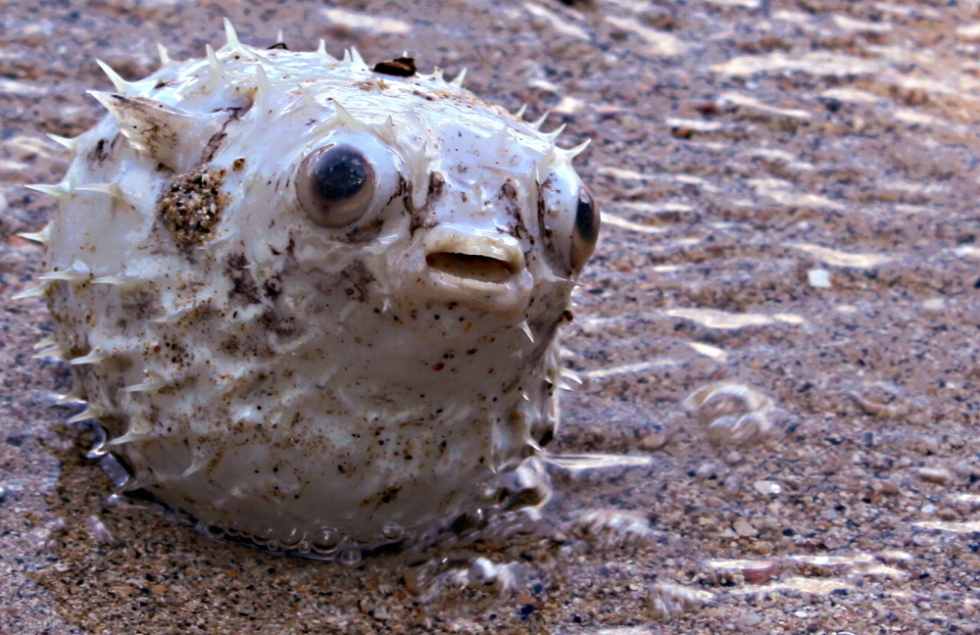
[
  {"x": 934, "y": 305},
  {"x": 818, "y": 278},
  {"x": 894, "y": 556},
  {"x": 925, "y": 445},
  {"x": 767, "y": 487},
  {"x": 750, "y": 619},
  {"x": 412, "y": 579},
  {"x": 654, "y": 441},
  {"x": 761, "y": 572},
  {"x": 732, "y": 483},
  {"x": 706, "y": 470},
  {"x": 744, "y": 528},
  {"x": 889, "y": 488},
  {"x": 938, "y": 475}
]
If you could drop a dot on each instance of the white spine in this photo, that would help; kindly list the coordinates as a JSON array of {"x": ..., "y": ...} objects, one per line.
[
  {"x": 458, "y": 80},
  {"x": 120, "y": 84},
  {"x": 164, "y": 55},
  {"x": 42, "y": 237},
  {"x": 91, "y": 358},
  {"x": 84, "y": 415},
  {"x": 231, "y": 38}
]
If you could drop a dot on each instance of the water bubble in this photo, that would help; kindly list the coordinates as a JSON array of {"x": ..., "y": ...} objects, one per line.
[
  {"x": 526, "y": 486},
  {"x": 116, "y": 500},
  {"x": 468, "y": 524},
  {"x": 266, "y": 533},
  {"x": 326, "y": 542},
  {"x": 452, "y": 585},
  {"x": 483, "y": 571},
  {"x": 51, "y": 538},
  {"x": 393, "y": 532},
  {"x": 116, "y": 471},
  {"x": 291, "y": 538},
  {"x": 99, "y": 531},
  {"x": 99, "y": 448},
  {"x": 214, "y": 532},
  {"x": 734, "y": 414},
  {"x": 615, "y": 528},
  {"x": 888, "y": 401},
  {"x": 668, "y": 601},
  {"x": 486, "y": 577},
  {"x": 349, "y": 556}
]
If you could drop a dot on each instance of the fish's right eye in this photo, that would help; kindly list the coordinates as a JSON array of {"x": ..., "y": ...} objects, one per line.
[{"x": 335, "y": 185}]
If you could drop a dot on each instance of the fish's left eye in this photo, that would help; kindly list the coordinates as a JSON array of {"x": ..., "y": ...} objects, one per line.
[
  {"x": 335, "y": 185},
  {"x": 570, "y": 220},
  {"x": 586, "y": 232}
]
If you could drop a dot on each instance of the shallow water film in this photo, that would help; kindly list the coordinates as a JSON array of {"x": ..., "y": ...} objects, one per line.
[{"x": 777, "y": 427}]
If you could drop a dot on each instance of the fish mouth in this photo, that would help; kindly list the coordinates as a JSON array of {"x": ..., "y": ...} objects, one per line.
[
  {"x": 472, "y": 267},
  {"x": 481, "y": 269}
]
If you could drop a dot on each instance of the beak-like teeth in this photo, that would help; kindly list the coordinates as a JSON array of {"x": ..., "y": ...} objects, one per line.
[
  {"x": 473, "y": 267},
  {"x": 474, "y": 257}
]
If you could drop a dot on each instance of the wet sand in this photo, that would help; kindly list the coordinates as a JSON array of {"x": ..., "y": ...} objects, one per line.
[{"x": 790, "y": 233}]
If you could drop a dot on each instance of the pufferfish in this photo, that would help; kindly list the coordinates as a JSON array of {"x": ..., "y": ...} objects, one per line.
[{"x": 313, "y": 303}]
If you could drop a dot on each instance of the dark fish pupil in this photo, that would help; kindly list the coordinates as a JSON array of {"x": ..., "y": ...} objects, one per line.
[
  {"x": 585, "y": 218},
  {"x": 341, "y": 174}
]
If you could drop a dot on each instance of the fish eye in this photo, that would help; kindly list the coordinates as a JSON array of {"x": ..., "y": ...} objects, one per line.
[
  {"x": 570, "y": 220},
  {"x": 586, "y": 232},
  {"x": 335, "y": 185}
]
